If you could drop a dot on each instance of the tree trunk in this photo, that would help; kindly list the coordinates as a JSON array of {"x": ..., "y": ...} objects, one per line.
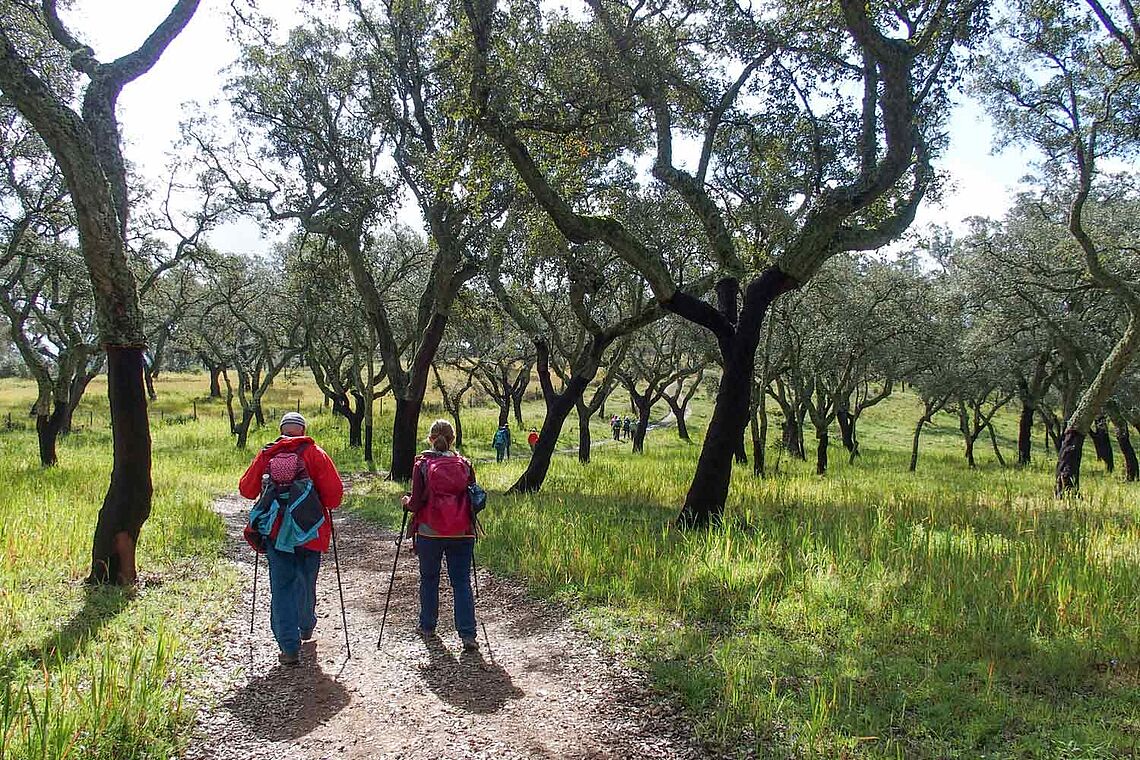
[
  {"x": 1025, "y": 433},
  {"x": 127, "y": 503},
  {"x": 1052, "y": 430},
  {"x": 821, "y": 439},
  {"x": 914, "y": 444},
  {"x": 369, "y": 457},
  {"x": 369, "y": 396},
  {"x": 846, "y": 429},
  {"x": 853, "y": 428},
  {"x": 1068, "y": 473},
  {"x": 76, "y": 389},
  {"x": 230, "y": 403},
  {"x": 215, "y": 382},
  {"x": 964, "y": 427},
  {"x": 708, "y": 491},
  {"x": 242, "y": 428},
  {"x": 404, "y": 437},
  {"x": 504, "y": 411},
  {"x": 355, "y": 430},
  {"x": 757, "y": 448},
  {"x": 353, "y": 411},
  {"x": 1101, "y": 444},
  {"x": 679, "y": 415},
  {"x": 760, "y": 439},
  {"x": 516, "y": 402},
  {"x": 997, "y": 449},
  {"x": 342, "y": 406},
  {"x": 557, "y": 409},
  {"x": 801, "y": 447},
  {"x": 740, "y": 456},
  {"x": 88, "y": 151},
  {"x": 259, "y": 413},
  {"x": 793, "y": 439},
  {"x": 583, "y": 432},
  {"x": 643, "y": 412},
  {"x": 458, "y": 427},
  {"x": 1127, "y": 452},
  {"x": 410, "y": 401},
  {"x": 1091, "y": 404},
  {"x": 48, "y": 427}
]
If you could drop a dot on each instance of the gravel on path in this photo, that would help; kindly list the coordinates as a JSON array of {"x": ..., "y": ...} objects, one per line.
[{"x": 543, "y": 689}]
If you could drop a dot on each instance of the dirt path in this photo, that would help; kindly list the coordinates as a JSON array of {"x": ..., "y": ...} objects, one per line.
[{"x": 548, "y": 693}]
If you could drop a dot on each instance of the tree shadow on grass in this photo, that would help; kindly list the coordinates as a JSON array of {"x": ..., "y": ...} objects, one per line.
[
  {"x": 468, "y": 682},
  {"x": 101, "y": 604},
  {"x": 288, "y": 703}
]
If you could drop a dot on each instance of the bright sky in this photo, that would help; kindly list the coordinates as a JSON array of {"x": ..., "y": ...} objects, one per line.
[{"x": 191, "y": 72}]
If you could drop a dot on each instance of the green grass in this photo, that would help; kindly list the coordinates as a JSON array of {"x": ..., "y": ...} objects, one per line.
[
  {"x": 870, "y": 613},
  {"x": 103, "y": 673}
]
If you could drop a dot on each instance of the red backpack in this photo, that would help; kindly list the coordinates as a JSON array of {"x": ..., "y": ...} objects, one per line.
[{"x": 448, "y": 506}]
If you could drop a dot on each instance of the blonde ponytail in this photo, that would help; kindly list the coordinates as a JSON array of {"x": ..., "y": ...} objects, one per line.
[{"x": 442, "y": 435}]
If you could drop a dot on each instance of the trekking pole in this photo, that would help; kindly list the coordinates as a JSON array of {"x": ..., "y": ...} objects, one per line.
[
  {"x": 392, "y": 580},
  {"x": 253, "y": 604},
  {"x": 475, "y": 575},
  {"x": 340, "y": 589}
]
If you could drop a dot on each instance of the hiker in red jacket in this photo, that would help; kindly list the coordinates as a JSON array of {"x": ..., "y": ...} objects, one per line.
[
  {"x": 443, "y": 527},
  {"x": 293, "y": 570}
]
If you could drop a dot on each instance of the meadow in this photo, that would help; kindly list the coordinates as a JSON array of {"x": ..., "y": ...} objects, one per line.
[{"x": 869, "y": 613}]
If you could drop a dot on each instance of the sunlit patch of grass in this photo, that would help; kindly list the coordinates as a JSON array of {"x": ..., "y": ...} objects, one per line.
[
  {"x": 102, "y": 672},
  {"x": 870, "y": 613}
]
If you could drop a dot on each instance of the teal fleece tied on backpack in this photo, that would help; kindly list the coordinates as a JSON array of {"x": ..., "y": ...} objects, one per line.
[{"x": 298, "y": 509}]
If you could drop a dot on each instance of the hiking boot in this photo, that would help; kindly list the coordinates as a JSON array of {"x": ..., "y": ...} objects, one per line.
[
  {"x": 289, "y": 659},
  {"x": 425, "y": 633},
  {"x": 470, "y": 644}
]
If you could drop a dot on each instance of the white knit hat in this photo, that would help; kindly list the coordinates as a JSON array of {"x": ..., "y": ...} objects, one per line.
[{"x": 293, "y": 418}]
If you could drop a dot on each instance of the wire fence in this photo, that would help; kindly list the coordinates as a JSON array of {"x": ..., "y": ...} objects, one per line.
[{"x": 24, "y": 420}]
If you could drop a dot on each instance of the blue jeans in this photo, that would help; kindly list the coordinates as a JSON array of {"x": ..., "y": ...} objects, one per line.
[
  {"x": 459, "y": 553},
  {"x": 500, "y": 452},
  {"x": 293, "y": 595}
]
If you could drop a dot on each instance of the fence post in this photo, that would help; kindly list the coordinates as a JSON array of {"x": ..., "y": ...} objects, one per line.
[
  {"x": 9, "y": 423},
  {"x": 194, "y": 409}
]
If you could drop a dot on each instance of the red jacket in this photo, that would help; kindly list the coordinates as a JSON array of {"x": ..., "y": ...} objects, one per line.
[{"x": 321, "y": 470}]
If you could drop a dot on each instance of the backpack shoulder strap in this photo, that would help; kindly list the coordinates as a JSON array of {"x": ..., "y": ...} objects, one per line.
[{"x": 423, "y": 468}]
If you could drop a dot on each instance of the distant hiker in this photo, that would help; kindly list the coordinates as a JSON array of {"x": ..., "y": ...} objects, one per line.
[
  {"x": 532, "y": 439},
  {"x": 292, "y": 466},
  {"x": 443, "y": 527},
  {"x": 626, "y": 427},
  {"x": 502, "y": 443},
  {"x": 615, "y": 424}
]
